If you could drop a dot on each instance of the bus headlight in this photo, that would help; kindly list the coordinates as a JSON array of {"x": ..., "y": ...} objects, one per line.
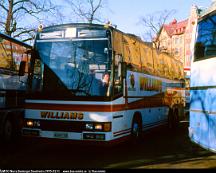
[
  {"x": 102, "y": 127},
  {"x": 89, "y": 126},
  {"x": 32, "y": 123},
  {"x": 98, "y": 127},
  {"x": 29, "y": 123},
  {"x": 107, "y": 127}
]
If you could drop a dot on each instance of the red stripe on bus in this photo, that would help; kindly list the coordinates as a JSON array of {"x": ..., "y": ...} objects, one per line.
[
  {"x": 64, "y": 107},
  {"x": 122, "y": 132},
  {"x": 144, "y": 103},
  {"x": 187, "y": 69}
]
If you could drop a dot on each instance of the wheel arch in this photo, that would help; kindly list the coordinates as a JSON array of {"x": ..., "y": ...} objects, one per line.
[
  {"x": 137, "y": 116},
  {"x": 16, "y": 119}
]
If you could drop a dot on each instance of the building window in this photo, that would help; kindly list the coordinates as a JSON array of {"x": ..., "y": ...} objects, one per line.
[
  {"x": 176, "y": 51},
  {"x": 180, "y": 52},
  {"x": 176, "y": 40},
  {"x": 180, "y": 40}
]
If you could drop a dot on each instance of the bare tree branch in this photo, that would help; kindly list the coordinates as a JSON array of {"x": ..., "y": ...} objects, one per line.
[
  {"x": 3, "y": 7},
  {"x": 21, "y": 1},
  {"x": 23, "y": 31},
  {"x": 87, "y": 10},
  {"x": 153, "y": 24},
  {"x": 30, "y": 11}
]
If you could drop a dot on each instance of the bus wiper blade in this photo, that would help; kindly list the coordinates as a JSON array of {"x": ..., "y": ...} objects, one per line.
[{"x": 80, "y": 91}]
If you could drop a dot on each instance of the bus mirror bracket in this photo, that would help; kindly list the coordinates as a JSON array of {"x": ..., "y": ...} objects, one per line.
[
  {"x": 22, "y": 68},
  {"x": 122, "y": 70}
]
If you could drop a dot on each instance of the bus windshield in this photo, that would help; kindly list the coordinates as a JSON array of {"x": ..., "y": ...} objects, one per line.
[{"x": 79, "y": 64}]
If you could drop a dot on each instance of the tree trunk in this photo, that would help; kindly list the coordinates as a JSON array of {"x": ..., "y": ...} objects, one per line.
[{"x": 9, "y": 17}]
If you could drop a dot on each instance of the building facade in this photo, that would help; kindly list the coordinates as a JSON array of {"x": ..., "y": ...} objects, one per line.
[{"x": 177, "y": 38}]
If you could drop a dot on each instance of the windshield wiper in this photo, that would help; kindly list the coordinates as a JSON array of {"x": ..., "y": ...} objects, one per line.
[{"x": 75, "y": 91}]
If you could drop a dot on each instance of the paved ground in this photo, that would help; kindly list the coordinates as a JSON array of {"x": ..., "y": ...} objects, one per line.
[{"x": 159, "y": 149}]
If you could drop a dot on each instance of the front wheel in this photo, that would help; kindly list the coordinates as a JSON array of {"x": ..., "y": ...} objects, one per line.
[
  {"x": 173, "y": 118},
  {"x": 8, "y": 130},
  {"x": 136, "y": 131}
]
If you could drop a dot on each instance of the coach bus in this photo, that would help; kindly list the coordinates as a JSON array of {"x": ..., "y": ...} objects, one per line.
[
  {"x": 202, "y": 129},
  {"x": 13, "y": 84},
  {"x": 93, "y": 82}
]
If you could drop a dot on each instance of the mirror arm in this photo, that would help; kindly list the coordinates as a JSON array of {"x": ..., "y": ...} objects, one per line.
[{"x": 22, "y": 68}]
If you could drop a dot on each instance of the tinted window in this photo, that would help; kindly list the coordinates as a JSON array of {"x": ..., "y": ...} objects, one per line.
[{"x": 205, "y": 46}]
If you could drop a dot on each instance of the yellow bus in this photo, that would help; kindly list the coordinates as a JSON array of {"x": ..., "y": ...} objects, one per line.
[{"x": 13, "y": 84}]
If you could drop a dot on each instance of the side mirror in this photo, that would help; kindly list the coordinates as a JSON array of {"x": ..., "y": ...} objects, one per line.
[
  {"x": 199, "y": 50},
  {"x": 22, "y": 68},
  {"x": 122, "y": 70},
  {"x": 106, "y": 50}
]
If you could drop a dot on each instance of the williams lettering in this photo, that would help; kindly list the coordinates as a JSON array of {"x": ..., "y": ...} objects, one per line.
[{"x": 62, "y": 115}]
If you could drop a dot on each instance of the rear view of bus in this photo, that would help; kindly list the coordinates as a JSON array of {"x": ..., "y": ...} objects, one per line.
[{"x": 202, "y": 128}]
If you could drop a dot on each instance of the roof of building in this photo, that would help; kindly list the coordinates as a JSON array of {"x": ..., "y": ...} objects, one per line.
[{"x": 175, "y": 28}]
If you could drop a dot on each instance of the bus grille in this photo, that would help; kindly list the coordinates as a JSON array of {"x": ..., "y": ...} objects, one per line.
[{"x": 65, "y": 126}]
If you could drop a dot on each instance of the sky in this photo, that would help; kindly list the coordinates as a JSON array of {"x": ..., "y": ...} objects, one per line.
[{"x": 126, "y": 13}]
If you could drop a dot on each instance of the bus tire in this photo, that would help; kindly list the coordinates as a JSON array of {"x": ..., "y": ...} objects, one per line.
[
  {"x": 176, "y": 116},
  {"x": 8, "y": 130},
  {"x": 171, "y": 124},
  {"x": 136, "y": 129},
  {"x": 173, "y": 118}
]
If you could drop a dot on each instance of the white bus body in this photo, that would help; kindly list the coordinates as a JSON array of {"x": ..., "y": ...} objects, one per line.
[{"x": 135, "y": 100}]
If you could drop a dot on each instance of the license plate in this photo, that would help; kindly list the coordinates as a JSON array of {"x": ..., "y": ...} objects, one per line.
[{"x": 61, "y": 135}]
